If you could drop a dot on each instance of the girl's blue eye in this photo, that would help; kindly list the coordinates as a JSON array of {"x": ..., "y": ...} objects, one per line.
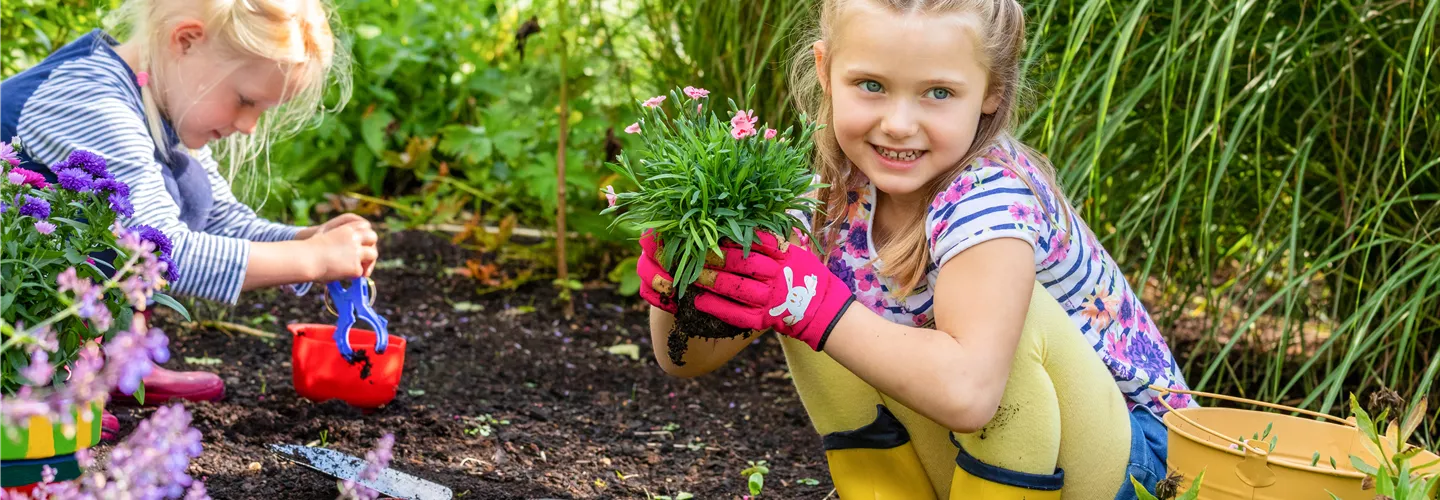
[
  {"x": 871, "y": 86},
  {"x": 940, "y": 94}
]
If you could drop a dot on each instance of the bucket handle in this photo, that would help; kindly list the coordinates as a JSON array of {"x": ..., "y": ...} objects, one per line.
[
  {"x": 357, "y": 300},
  {"x": 1254, "y": 470}
]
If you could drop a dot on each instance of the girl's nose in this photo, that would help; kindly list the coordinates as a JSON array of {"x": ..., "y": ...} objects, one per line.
[
  {"x": 247, "y": 122},
  {"x": 900, "y": 122}
]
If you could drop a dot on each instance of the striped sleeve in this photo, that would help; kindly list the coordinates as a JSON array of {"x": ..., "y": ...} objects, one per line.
[
  {"x": 229, "y": 217},
  {"x": 88, "y": 104},
  {"x": 983, "y": 204}
]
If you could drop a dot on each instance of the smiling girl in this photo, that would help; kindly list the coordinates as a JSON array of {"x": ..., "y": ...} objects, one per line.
[{"x": 964, "y": 335}]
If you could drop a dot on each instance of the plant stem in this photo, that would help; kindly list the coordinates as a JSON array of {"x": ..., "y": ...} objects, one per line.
[{"x": 560, "y": 167}]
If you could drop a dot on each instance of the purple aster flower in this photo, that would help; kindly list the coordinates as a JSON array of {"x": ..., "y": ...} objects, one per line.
[
  {"x": 34, "y": 207},
  {"x": 39, "y": 371},
  {"x": 15, "y": 178},
  {"x": 172, "y": 271},
  {"x": 3, "y": 207},
  {"x": 44, "y": 228},
  {"x": 74, "y": 179},
  {"x": 89, "y": 162},
  {"x": 113, "y": 186},
  {"x": 7, "y": 153},
  {"x": 152, "y": 235},
  {"x": 121, "y": 205}
]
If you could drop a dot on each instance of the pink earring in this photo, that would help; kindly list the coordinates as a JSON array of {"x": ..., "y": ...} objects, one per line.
[{"x": 142, "y": 78}]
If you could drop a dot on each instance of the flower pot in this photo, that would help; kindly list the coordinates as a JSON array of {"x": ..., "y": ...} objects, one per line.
[
  {"x": 27, "y": 448},
  {"x": 43, "y": 437},
  {"x": 321, "y": 373},
  {"x": 1204, "y": 439},
  {"x": 19, "y": 477}
]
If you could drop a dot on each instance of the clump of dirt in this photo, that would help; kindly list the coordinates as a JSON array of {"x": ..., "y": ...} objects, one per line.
[{"x": 690, "y": 322}]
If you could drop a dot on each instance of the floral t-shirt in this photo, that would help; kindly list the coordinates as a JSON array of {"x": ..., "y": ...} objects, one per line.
[{"x": 988, "y": 201}]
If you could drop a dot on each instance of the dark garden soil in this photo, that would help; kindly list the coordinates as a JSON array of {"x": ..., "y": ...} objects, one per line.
[{"x": 501, "y": 397}]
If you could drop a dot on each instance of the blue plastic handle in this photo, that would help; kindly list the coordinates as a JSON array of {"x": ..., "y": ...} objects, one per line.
[{"x": 353, "y": 302}]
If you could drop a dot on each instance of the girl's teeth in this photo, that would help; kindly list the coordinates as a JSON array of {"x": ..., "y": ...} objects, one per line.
[{"x": 895, "y": 155}]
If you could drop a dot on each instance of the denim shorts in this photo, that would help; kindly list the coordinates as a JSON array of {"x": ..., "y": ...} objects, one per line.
[{"x": 1148, "y": 450}]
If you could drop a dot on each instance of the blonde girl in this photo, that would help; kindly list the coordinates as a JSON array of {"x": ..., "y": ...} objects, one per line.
[
  {"x": 964, "y": 335},
  {"x": 192, "y": 76}
]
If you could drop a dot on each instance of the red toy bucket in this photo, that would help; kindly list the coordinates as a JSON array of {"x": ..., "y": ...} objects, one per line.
[{"x": 320, "y": 373}]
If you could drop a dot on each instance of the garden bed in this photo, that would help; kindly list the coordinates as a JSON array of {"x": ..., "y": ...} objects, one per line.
[{"x": 499, "y": 400}]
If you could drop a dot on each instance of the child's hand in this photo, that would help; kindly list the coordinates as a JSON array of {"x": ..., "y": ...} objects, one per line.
[
  {"x": 655, "y": 282},
  {"x": 346, "y": 251},
  {"x": 779, "y": 286},
  {"x": 343, "y": 219}
]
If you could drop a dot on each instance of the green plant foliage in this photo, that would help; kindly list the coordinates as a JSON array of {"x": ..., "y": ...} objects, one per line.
[{"x": 699, "y": 185}]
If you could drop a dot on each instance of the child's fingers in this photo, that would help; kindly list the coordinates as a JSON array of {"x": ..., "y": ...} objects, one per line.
[
  {"x": 731, "y": 312},
  {"x": 735, "y": 287},
  {"x": 764, "y": 243},
  {"x": 369, "y": 237},
  {"x": 757, "y": 265}
]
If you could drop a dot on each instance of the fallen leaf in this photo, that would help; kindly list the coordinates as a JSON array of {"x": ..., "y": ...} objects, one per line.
[
  {"x": 631, "y": 350},
  {"x": 468, "y": 307}
]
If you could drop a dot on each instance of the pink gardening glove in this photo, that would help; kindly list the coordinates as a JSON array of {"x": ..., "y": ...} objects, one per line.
[
  {"x": 652, "y": 276},
  {"x": 779, "y": 286}
]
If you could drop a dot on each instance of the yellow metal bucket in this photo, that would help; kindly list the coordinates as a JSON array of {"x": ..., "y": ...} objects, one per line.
[{"x": 1220, "y": 442}]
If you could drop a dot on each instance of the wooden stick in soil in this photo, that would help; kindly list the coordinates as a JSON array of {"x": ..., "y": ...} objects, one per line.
[
  {"x": 564, "y": 274},
  {"x": 232, "y": 327}
]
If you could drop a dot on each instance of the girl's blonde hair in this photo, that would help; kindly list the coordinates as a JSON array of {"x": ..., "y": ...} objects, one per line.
[
  {"x": 294, "y": 33},
  {"x": 906, "y": 254}
]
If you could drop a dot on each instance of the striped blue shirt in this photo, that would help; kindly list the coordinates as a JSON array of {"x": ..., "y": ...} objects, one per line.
[{"x": 85, "y": 97}]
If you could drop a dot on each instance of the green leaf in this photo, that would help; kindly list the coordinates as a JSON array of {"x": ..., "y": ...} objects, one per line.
[
  {"x": 757, "y": 483},
  {"x": 1140, "y": 491},
  {"x": 1361, "y": 466},
  {"x": 167, "y": 301},
  {"x": 684, "y": 496},
  {"x": 1194, "y": 491},
  {"x": 372, "y": 130},
  {"x": 140, "y": 393}
]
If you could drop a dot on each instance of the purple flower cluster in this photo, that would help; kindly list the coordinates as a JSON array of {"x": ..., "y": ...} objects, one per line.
[
  {"x": 33, "y": 207},
  {"x": 84, "y": 171},
  {"x": 164, "y": 245},
  {"x": 149, "y": 465},
  {"x": 376, "y": 461},
  {"x": 133, "y": 355},
  {"x": 88, "y": 297}
]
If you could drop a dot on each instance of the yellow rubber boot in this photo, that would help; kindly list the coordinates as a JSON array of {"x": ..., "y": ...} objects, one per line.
[
  {"x": 976, "y": 479},
  {"x": 877, "y": 461}
]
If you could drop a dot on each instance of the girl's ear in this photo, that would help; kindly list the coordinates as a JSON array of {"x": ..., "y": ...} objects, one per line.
[
  {"x": 822, "y": 69},
  {"x": 186, "y": 36},
  {"x": 991, "y": 103}
]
